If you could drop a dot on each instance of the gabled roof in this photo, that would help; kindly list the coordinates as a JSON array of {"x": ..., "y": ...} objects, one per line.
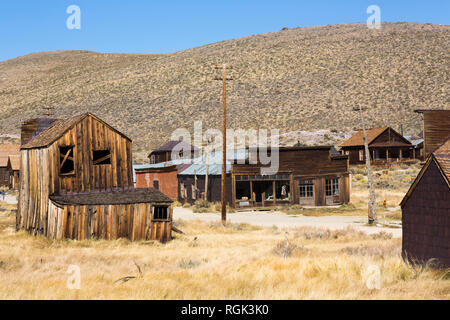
[
  {"x": 57, "y": 130},
  {"x": 14, "y": 162},
  {"x": 6, "y": 150},
  {"x": 442, "y": 155},
  {"x": 169, "y": 146},
  {"x": 442, "y": 159},
  {"x": 358, "y": 138}
]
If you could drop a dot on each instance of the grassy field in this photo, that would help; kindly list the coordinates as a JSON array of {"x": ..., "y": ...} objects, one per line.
[{"x": 215, "y": 262}]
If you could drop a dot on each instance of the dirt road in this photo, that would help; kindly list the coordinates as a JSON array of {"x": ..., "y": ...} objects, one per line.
[{"x": 281, "y": 220}]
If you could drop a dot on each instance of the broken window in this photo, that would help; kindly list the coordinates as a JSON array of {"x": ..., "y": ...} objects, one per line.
[
  {"x": 161, "y": 213},
  {"x": 332, "y": 187},
  {"x": 101, "y": 157},
  {"x": 156, "y": 184},
  {"x": 66, "y": 161}
]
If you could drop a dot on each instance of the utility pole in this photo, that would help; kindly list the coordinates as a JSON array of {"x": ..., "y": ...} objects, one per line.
[
  {"x": 372, "y": 200},
  {"x": 224, "y": 79}
]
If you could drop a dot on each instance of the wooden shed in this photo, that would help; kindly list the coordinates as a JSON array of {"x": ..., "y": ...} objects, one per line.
[
  {"x": 426, "y": 212},
  {"x": 385, "y": 145},
  {"x": 76, "y": 182}
]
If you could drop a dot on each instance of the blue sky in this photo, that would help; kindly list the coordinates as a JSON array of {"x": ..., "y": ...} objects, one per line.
[{"x": 138, "y": 26}]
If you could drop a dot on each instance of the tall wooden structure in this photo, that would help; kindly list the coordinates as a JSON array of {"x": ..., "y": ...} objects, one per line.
[
  {"x": 436, "y": 128},
  {"x": 76, "y": 182}
]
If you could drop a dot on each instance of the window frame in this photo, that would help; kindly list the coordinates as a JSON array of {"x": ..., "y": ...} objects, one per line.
[
  {"x": 107, "y": 157},
  {"x": 331, "y": 185},
  {"x": 60, "y": 164},
  {"x": 306, "y": 189},
  {"x": 154, "y": 213}
]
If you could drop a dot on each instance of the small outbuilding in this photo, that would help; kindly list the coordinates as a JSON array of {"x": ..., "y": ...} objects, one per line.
[
  {"x": 426, "y": 212},
  {"x": 76, "y": 182}
]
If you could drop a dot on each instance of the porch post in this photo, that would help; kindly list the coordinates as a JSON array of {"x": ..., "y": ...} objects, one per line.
[{"x": 274, "y": 194}]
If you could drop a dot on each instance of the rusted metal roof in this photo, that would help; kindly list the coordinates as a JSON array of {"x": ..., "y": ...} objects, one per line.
[{"x": 358, "y": 138}]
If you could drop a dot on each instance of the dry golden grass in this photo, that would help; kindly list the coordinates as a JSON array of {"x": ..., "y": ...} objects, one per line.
[{"x": 215, "y": 262}]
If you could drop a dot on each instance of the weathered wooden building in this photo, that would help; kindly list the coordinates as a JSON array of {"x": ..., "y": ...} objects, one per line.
[
  {"x": 315, "y": 176},
  {"x": 76, "y": 182},
  {"x": 13, "y": 171},
  {"x": 173, "y": 150},
  {"x": 426, "y": 212},
  {"x": 6, "y": 150},
  {"x": 385, "y": 145},
  {"x": 436, "y": 129}
]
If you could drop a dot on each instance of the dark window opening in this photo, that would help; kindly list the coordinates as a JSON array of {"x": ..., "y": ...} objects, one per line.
[
  {"x": 156, "y": 184},
  {"x": 161, "y": 213},
  {"x": 66, "y": 161},
  {"x": 332, "y": 187},
  {"x": 243, "y": 190},
  {"x": 101, "y": 157}
]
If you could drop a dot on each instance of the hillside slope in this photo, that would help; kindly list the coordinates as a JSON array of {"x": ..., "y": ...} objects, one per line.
[{"x": 297, "y": 79}]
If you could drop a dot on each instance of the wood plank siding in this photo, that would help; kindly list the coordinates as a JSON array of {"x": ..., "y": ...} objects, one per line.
[
  {"x": 436, "y": 129},
  {"x": 80, "y": 140},
  {"x": 297, "y": 166}
]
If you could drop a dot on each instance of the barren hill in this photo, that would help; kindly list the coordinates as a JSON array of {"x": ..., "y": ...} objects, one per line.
[{"x": 296, "y": 79}]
